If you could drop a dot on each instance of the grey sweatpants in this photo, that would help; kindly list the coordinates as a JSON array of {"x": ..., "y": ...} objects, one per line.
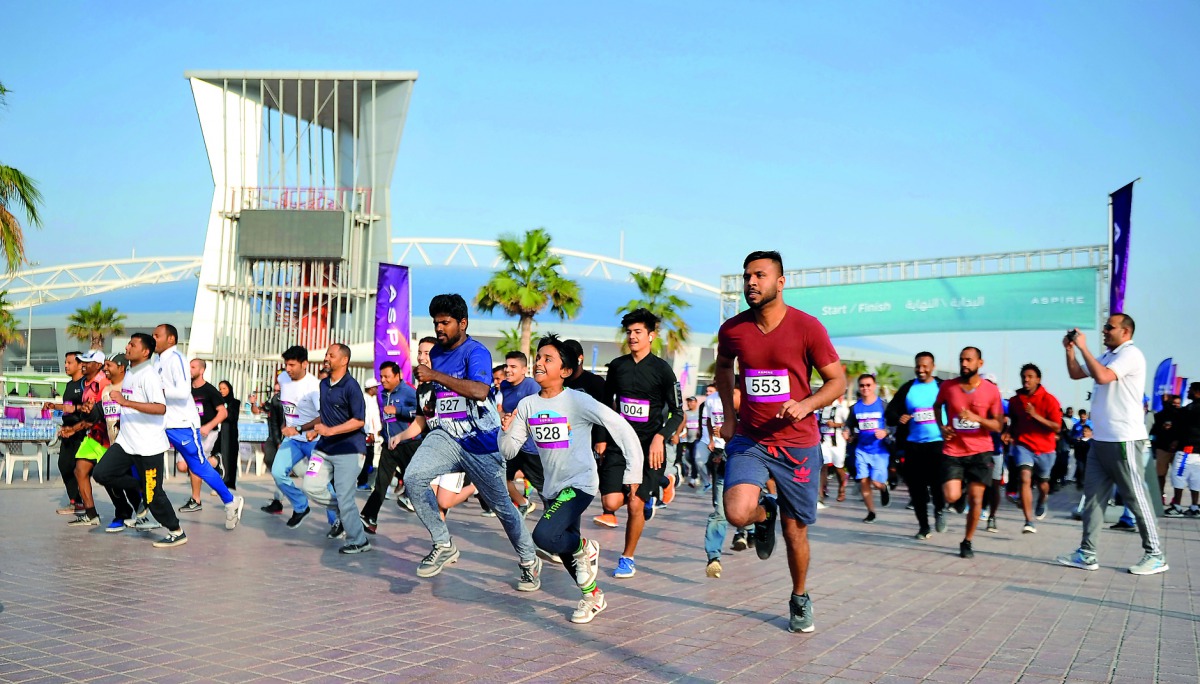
[
  {"x": 1120, "y": 464},
  {"x": 342, "y": 471}
]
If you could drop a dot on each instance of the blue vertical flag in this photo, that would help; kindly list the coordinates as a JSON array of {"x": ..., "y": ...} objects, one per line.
[
  {"x": 1122, "y": 208},
  {"x": 1162, "y": 384}
]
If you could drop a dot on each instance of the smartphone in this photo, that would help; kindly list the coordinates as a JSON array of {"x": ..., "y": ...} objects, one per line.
[{"x": 1071, "y": 334}]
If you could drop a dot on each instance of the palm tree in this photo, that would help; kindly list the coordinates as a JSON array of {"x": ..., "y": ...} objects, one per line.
[
  {"x": 887, "y": 376},
  {"x": 10, "y": 327},
  {"x": 94, "y": 323},
  {"x": 511, "y": 341},
  {"x": 529, "y": 281},
  {"x": 18, "y": 192},
  {"x": 658, "y": 300}
]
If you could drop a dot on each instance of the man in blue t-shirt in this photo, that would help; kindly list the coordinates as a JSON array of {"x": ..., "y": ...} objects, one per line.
[
  {"x": 867, "y": 426},
  {"x": 340, "y": 443},
  {"x": 910, "y": 412},
  {"x": 463, "y": 438},
  {"x": 515, "y": 387}
]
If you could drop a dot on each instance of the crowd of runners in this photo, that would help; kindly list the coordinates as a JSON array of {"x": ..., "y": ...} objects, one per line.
[{"x": 765, "y": 440}]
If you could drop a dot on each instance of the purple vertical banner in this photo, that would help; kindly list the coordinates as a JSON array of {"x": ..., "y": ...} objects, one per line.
[
  {"x": 1122, "y": 209},
  {"x": 1162, "y": 383},
  {"x": 393, "y": 325}
]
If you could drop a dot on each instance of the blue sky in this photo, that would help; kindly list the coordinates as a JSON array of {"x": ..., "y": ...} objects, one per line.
[{"x": 835, "y": 132}]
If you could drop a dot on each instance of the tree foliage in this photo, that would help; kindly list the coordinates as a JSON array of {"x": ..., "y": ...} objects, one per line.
[
  {"x": 95, "y": 323},
  {"x": 658, "y": 299}
]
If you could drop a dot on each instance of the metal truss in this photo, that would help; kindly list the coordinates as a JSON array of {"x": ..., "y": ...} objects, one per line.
[
  {"x": 477, "y": 253},
  {"x": 58, "y": 283}
]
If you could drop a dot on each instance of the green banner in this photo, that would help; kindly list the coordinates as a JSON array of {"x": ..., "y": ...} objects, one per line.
[{"x": 1038, "y": 300}]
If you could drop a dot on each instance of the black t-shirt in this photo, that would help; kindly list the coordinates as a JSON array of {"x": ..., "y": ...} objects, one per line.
[
  {"x": 73, "y": 395},
  {"x": 207, "y": 399},
  {"x": 646, "y": 394},
  {"x": 1185, "y": 427},
  {"x": 593, "y": 385}
]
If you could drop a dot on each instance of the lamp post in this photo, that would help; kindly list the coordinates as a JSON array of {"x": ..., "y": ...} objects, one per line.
[{"x": 29, "y": 334}]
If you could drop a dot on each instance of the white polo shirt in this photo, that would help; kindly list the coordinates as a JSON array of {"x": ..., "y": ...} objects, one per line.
[
  {"x": 143, "y": 434},
  {"x": 1117, "y": 413}
]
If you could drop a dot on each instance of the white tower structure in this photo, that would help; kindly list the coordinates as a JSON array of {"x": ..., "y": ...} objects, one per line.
[{"x": 302, "y": 166}]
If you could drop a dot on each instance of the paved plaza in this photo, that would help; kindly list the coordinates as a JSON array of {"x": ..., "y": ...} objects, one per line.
[{"x": 265, "y": 603}]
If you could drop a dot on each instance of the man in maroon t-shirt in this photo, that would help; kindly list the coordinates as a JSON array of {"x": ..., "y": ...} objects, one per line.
[
  {"x": 1035, "y": 417},
  {"x": 774, "y": 432},
  {"x": 974, "y": 411}
]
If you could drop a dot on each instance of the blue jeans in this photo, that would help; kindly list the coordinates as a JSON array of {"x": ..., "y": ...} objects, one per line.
[
  {"x": 714, "y": 532},
  {"x": 440, "y": 454},
  {"x": 190, "y": 447},
  {"x": 292, "y": 451},
  {"x": 336, "y": 473}
]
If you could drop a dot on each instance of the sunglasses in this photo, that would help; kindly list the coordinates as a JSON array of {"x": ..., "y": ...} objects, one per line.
[{"x": 1107, "y": 327}]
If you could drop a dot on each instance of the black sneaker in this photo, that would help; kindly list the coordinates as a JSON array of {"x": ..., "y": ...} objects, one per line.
[
  {"x": 939, "y": 522},
  {"x": 870, "y": 519},
  {"x": 191, "y": 506},
  {"x": 739, "y": 542},
  {"x": 297, "y": 516},
  {"x": 922, "y": 534},
  {"x": 369, "y": 525},
  {"x": 964, "y": 549},
  {"x": 172, "y": 539},
  {"x": 801, "y": 614},
  {"x": 960, "y": 505},
  {"x": 885, "y": 497},
  {"x": 336, "y": 531},
  {"x": 274, "y": 508},
  {"x": 356, "y": 548},
  {"x": 1123, "y": 526},
  {"x": 764, "y": 532}
]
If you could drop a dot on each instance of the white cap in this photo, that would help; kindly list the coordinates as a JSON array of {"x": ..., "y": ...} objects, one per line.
[
  {"x": 371, "y": 382},
  {"x": 91, "y": 356}
]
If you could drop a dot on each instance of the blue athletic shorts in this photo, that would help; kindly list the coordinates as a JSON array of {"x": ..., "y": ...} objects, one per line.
[
  {"x": 795, "y": 470},
  {"x": 869, "y": 465},
  {"x": 1041, "y": 464}
]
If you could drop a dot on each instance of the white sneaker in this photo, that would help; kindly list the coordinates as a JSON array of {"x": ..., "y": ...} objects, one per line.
[
  {"x": 589, "y": 607},
  {"x": 587, "y": 563},
  {"x": 233, "y": 512}
]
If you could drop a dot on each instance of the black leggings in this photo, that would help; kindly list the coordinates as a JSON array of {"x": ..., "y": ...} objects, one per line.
[
  {"x": 66, "y": 467},
  {"x": 922, "y": 472},
  {"x": 557, "y": 530},
  {"x": 392, "y": 463},
  {"x": 114, "y": 471}
]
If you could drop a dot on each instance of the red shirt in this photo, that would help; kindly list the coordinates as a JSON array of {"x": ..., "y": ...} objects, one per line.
[
  {"x": 969, "y": 438},
  {"x": 94, "y": 392},
  {"x": 775, "y": 367},
  {"x": 1028, "y": 432}
]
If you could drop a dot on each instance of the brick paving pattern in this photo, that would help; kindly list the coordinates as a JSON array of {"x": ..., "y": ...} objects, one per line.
[{"x": 265, "y": 603}]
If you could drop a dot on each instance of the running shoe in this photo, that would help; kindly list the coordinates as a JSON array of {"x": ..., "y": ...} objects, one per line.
[
  {"x": 587, "y": 563},
  {"x": 870, "y": 519},
  {"x": 1028, "y": 529},
  {"x": 191, "y": 506},
  {"x": 1077, "y": 559},
  {"x": 885, "y": 496},
  {"x": 85, "y": 520},
  {"x": 800, "y": 610},
  {"x": 1150, "y": 564},
  {"x": 369, "y": 525},
  {"x": 764, "y": 532},
  {"x": 335, "y": 531},
  {"x": 1193, "y": 512},
  {"x": 606, "y": 520},
  {"x": 1123, "y": 526},
  {"x": 939, "y": 522},
  {"x": 71, "y": 510},
  {"x": 177, "y": 538},
  {"x": 142, "y": 523},
  {"x": 531, "y": 576},
  {"x": 713, "y": 569},
  {"x": 117, "y": 525},
  {"x": 525, "y": 508},
  {"x": 405, "y": 503},
  {"x": 438, "y": 558},
  {"x": 821, "y": 506},
  {"x": 356, "y": 548},
  {"x": 739, "y": 542},
  {"x": 991, "y": 525},
  {"x": 648, "y": 509},
  {"x": 297, "y": 516},
  {"x": 625, "y": 568},
  {"x": 547, "y": 556},
  {"x": 668, "y": 492},
  {"x": 965, "y": 550},
  {"x": 362, "y": 488},
  {"x": 1040, "y": 512},
  {"x": 233, "y": 512},
  {"x": 922, "y": 534},
  {"x": 910, "y": 507},
  {"x": 487, "y": 513},
  {"x": 274, "y": 508},
  {"x": 589, "y": 607},
  {"x": 706, "y": 489},
  {"x": 1173, "y": 511}
]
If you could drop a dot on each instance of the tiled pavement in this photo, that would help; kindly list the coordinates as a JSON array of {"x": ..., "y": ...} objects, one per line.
[{"x": 264, "y": 603}]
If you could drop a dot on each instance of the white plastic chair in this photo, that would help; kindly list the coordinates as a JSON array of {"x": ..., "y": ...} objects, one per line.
[{"x": 16, "y": 455}]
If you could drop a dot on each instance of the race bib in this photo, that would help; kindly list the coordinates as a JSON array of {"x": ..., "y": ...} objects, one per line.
[
  {"x": 693, "y": 423},
  {"x": 826, "y": 430},
  {"x": 111, "y": 408},
  {"x": 965, "y": 425},
  {"x": 868, "y": 424},
  {"x": 127, "y": 393},
  {"x": 314, "y": 465},
  {"x": 718, "y": 419},
  {"x": 550, "y": 432},
  {"x": 635, "y": 410},
  {"x": 923, "y": 415},
  {"x": 768, "y": 385},
  {"x": 452, "y": 406},
  {"x": 289, "y": 409},
  {"x": 200, "y": 408}
]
